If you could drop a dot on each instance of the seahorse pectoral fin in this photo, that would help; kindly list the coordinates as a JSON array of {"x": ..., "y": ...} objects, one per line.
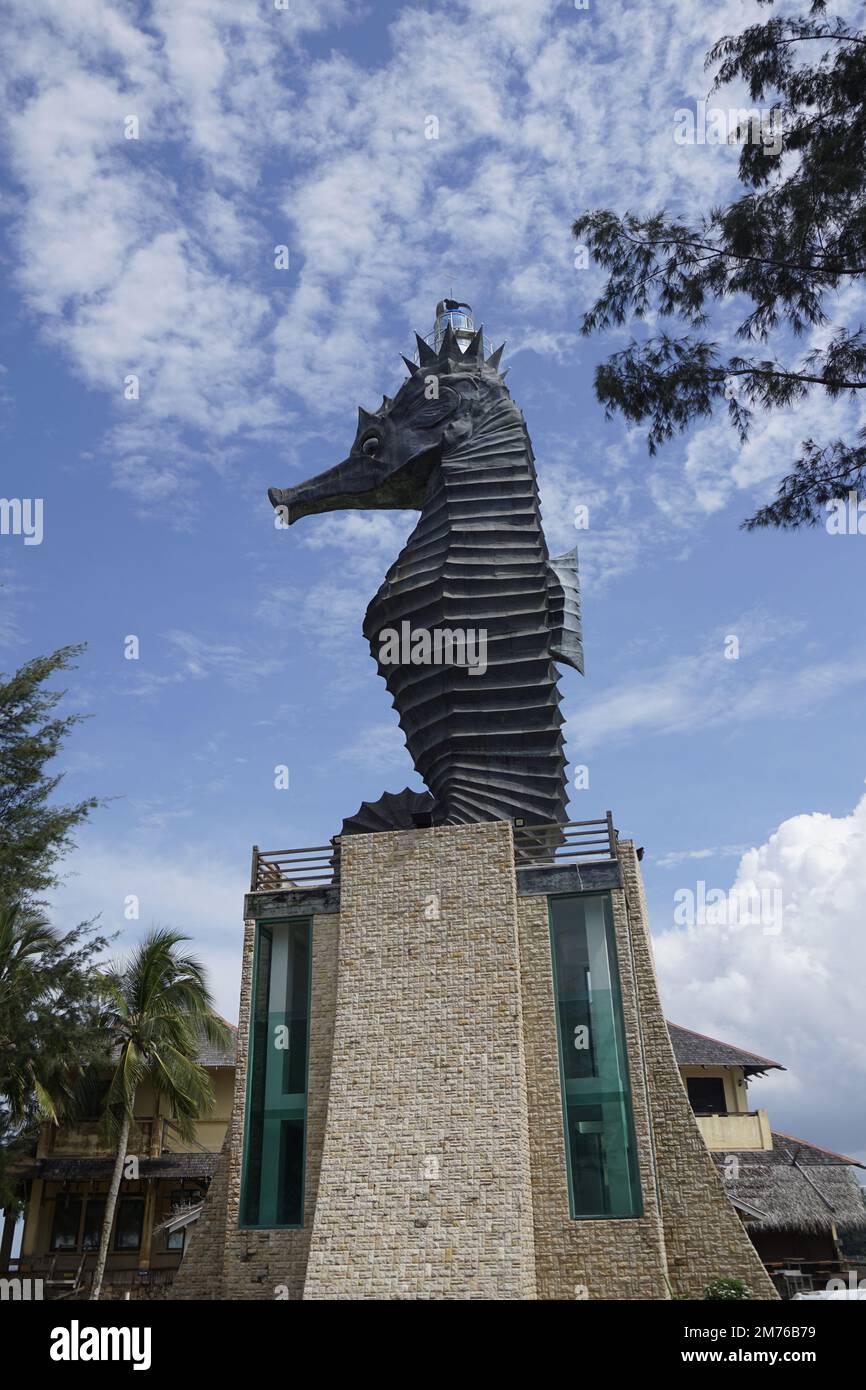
[{"x": 563, "y": 608}]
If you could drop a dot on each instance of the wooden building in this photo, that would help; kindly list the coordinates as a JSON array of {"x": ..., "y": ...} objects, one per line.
[
  {"x": 67, "y": 1179},
  {"x": 802, "y": 1204}
]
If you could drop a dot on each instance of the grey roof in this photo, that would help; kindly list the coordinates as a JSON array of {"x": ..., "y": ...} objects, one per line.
[
  {"x": 786, "y": 1145},
  {"x": 697, "y": 1050},
  {"x": 210, "y": 1056},
  {"x": 179, "y": 1165},
  {"x": 815, "y": 1191}
]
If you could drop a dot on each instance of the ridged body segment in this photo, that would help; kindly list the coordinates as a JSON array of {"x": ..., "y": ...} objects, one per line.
[{"x": 488, "y": 742}]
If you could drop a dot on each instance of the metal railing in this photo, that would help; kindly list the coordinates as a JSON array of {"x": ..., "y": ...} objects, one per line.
[
  {"x": 430, "y": 340},
  {"x": 535, "y": 846},
  {"x": 575, "y": 842},
  {"x": 275, "y": 869}
]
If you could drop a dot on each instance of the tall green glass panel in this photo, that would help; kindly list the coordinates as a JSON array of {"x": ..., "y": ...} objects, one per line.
[
  {"x": 273, "y": 1191},
  {"x": 603, "y": 1177}
]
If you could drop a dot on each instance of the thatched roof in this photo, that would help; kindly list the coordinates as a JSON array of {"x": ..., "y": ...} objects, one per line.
[
  {"x": 169, "y": 1165},
  {"x": 697, "y": 1050},
  {"x": 210, "y": 1056},
  {"x": 82, "y": 1168},
  {"x": 795, "y": 1186}
]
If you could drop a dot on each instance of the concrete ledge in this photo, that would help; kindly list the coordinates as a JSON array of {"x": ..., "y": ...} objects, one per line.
[
  {"x": 291, "y": 902},
  {"x": 569, "y": 878}
]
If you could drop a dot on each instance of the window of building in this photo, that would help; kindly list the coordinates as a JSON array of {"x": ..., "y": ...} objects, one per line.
[
  {"x": 707, "y": 1095},
  {"x": 93, "y": 1217},
  {"x": 181, "y": 1200},
  {"x": 277, "y": 1097},
  {"x": 128, "y": 1224},
  {"x": 601, "y": 1154},
  {"x": 67, "y": 1220}
]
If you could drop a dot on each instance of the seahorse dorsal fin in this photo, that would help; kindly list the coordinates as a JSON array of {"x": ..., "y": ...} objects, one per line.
[{"x": 563, "y": 608}]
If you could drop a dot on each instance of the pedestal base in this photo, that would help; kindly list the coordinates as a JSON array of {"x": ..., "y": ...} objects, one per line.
[{"x": 435, "y": 1150}]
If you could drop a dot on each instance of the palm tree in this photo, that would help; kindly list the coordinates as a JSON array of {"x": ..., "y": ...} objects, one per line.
[
  {"x": 24, "y": 1098},
  {"x": 49, "y": 1005},
  {"x": 158, "y": 1011},
  {"x": 25, "y": 940}
]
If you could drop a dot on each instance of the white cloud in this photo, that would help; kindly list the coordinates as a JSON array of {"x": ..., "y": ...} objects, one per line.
[
  {"x": 377, "y": 746},
  {"x": 153, "y": 256},
  {"x": 532, "y": 132},
  {"x": 796, "y": 996},
  {"x": 330, "y": 611},
  {"x": 121, "y": 249},
  {"x": 192, "y": 657},
  {"x": 681, "y": 856},
  {"x": 772, "y": 678},
  {"x": 717, "y": 466},
  {"x": 189, "y": 891},
  {"x": 621, "y": 527},
  {"x": 558, "y": 345}
]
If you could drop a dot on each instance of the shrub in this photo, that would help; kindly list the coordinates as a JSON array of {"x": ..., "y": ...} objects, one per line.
[{"x": 727, "y": 1289}]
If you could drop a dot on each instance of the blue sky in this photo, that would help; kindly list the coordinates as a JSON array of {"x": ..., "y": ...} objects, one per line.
[{"x": 155, "y": 256}]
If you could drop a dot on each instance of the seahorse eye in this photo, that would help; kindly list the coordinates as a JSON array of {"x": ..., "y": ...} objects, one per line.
[{"x": 372, "y": 445}]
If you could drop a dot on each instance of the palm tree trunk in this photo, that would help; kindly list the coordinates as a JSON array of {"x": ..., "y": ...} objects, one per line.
[{"x": 110, "y": 1205}]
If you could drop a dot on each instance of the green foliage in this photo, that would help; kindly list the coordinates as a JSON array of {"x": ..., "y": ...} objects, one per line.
[
  {"x": 157, "y": 1011},
  {"x": 17, "y": 1144},
  {"x": 789, "y": 245},
  {"x": 49, "y": 1026},
  {"x": 49, "y": 1035},
  {"x": 727, "y": 1290},
  {"x": 34, "y": 833}
]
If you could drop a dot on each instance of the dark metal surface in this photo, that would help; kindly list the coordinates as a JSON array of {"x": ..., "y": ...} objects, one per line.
[
  {"x": 291, "y": 902},
  {"x": 454, "y": 446},
  {"x": 569, "y": 878}
]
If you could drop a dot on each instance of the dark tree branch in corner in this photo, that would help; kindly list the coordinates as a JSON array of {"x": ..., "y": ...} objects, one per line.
[{"x": 795, "y": 237}]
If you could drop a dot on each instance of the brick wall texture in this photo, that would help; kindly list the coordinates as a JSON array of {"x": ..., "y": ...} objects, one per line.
[
  {"x": 704, "y": 1236},
  {"x": 436, "y": 1160},
  {"x": 425, "y": 1188}
]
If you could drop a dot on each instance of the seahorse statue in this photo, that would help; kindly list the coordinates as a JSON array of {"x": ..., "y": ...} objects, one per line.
[{"x": 453, "y": 445}]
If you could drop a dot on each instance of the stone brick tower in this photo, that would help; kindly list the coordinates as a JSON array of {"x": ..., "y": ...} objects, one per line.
[{"x": 455, "y": 1081}]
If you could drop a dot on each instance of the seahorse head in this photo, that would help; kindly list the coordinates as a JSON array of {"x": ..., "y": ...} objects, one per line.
[{"x": 398, "y": 447}]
